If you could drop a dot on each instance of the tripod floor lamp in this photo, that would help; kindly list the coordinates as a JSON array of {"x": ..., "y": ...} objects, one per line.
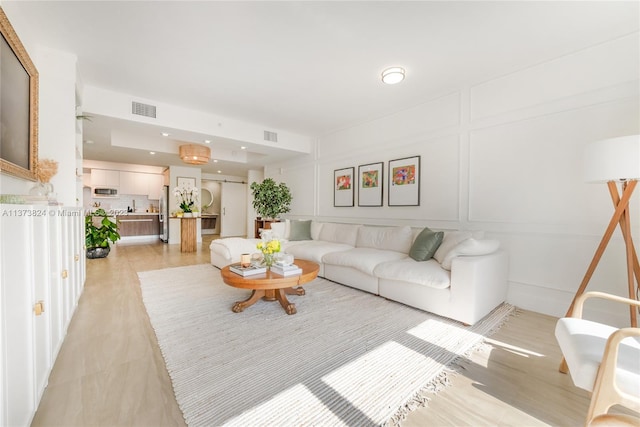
[{"x": 615, "y": 161}]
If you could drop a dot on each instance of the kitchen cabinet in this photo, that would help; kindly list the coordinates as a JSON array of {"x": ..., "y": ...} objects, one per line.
[
  {"x": 133, "y": 183},
  {"x": 39, "y": 293},
  {"x": 156, "y": 183},
  {"x": 138, "y": 225},
  {"x": 105, "y": 178},
  {"x": 141, "y": 184}
]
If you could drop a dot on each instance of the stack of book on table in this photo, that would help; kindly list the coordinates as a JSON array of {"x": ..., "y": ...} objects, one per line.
[
  {"x": 247, "y": 271},
  {"x": 286, "y": 270}
]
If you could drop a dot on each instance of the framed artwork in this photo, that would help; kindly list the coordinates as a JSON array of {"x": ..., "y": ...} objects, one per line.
[
  {"x": 370, "y": 179},
  {"x": 18, "y": 106},
  {"x": 186, "y": 182},
  {"x": 404, "y": 182},
  {"x": 343, "y": 187}
]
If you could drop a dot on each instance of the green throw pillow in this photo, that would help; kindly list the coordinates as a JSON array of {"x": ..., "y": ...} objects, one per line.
[
  {"x": 426, "y": 244},
  {"x": 300, "y": 230}
]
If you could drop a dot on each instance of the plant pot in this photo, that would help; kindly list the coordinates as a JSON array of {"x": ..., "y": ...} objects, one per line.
[
  {"x": 93, "y": 253},
  {"x": 188, "y": 214}
]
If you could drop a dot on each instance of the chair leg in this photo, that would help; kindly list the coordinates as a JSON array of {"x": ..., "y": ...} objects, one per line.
[
  {"x": 601, "y": 397},
  {"x": 605, "y": 392}
]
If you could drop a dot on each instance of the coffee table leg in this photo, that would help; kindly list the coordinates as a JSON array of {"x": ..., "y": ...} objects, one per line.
[
  {"x": 281, "y": 295},
  {"x": 241, "y": 305},
  {"x": 295, "y": 291}
]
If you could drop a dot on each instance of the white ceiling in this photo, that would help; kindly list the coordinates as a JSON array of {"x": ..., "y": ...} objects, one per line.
[{"x": 307, "y": 67}]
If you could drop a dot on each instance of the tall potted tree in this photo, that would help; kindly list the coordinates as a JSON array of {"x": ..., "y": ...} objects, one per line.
[
  {"x": 270, "y": 199},
  {"x": 99, "y": 233}
]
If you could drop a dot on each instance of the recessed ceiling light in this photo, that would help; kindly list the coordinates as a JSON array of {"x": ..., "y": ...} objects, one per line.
[
  {"x": 207, "y": 141},
  {"x": 152, "y": 152},
  {"x": 393, "y": 75},
  {"x": 243, "y": 148},
  {"x": 165, "y": 133},
  {"x": 215, "y": 160},
  {"x": 219, "y": 171}
]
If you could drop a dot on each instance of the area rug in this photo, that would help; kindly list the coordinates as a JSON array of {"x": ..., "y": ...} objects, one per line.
[{"x": 346, "y": 358}]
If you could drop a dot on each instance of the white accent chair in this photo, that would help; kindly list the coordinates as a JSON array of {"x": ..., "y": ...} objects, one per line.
[{"x": 602, "y": 359}]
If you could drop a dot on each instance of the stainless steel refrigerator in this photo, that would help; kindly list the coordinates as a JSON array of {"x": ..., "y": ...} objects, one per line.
[{"x": 164, "y": 214}]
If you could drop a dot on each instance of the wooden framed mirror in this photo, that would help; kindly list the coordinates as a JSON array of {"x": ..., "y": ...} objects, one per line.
[{"x": 18, "y": 106}]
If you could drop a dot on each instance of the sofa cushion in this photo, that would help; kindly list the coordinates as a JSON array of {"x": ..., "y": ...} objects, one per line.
[
  {"x": 396, "y": 239},
  {"x": 314, "y": 250},
  {"x": 426, "y": 244},
  {"x": 427, "y": 273},
  {"x": 299, "y": 230},
  {"x": 339, "y": 233},
  {"x": 363, "y": 259},
  {"x": 450, "y": 241},
  {"x": 470, "y": 247}
]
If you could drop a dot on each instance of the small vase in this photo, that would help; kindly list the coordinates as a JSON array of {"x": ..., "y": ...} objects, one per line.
[
  {"x": 49, "y": 189},
  {"x": 39, "y": 189},
  {"x": 188, "y": 214},
  {"x": 268, "y": 260}
]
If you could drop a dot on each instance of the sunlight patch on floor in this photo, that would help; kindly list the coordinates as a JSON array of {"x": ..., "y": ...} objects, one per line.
[
  {"x": 285, "y": 403},
  {"x": 369, "y": 375},
  {"x": 520, "y": 351},
  {"x": 439, "y": 332}
]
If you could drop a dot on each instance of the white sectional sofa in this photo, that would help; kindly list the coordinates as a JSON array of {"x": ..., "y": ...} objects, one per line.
[{"x": 465, "y": 279}]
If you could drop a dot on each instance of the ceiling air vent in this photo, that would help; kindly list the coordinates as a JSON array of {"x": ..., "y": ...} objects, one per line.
[
  {"x": 143, "y": 109},
  {"x": 270, "y": 136}
]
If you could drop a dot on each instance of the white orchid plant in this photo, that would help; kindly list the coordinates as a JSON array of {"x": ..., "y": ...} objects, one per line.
[{"x": 187, "y": 198}]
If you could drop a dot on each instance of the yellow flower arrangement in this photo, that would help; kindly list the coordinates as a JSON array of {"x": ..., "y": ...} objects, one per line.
[{"x": 269, "y": 249}]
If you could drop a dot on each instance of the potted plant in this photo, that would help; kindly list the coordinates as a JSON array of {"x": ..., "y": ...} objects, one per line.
[
  {"x": 187, "y": 198},
  {"x": 98, "y": 233},
  {"x": 270, "y": 199}
]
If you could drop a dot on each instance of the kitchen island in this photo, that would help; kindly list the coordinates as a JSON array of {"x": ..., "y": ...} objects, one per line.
[{"x": 138, "y": 224}]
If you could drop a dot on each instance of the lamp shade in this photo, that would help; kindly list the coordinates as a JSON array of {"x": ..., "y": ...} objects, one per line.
[
  {"x": 195, "y": 154},
  {"x": 614, "y": 159}
]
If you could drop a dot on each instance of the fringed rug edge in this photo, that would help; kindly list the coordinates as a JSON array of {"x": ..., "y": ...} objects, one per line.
[{"x": 422, "y": 397}]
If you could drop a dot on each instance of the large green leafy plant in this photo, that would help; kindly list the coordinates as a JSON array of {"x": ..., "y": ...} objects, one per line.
[
  {"x": 100, "y": 236},
  {"x": 270, "y": 199}
]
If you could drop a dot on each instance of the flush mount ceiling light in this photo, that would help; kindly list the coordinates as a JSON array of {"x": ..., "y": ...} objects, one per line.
[
  {"x": 393, "y": 75},
  {"x": 195, "y": 154}
]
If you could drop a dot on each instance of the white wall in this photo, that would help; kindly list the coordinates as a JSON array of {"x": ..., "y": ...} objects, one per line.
[
  {"x": 57, "y": 123},
  {"x": 504, "y": 156}
]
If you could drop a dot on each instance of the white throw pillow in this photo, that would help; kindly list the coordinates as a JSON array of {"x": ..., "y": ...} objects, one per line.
[
  {"x": 450, "y": 240},
  {"x": 280, "y": 229},
  {"x": 315, "y": 229},
  {"x": 470, "y": 247}
]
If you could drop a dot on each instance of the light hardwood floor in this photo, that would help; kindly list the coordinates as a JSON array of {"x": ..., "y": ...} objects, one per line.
[{"x": 110, "y": 371}]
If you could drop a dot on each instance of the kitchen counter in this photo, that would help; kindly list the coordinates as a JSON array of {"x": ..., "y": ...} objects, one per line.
[{"x": 139, "y": 213}]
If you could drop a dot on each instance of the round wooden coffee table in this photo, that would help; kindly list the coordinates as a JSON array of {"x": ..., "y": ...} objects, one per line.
[{"x": 271, "y": 286}]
